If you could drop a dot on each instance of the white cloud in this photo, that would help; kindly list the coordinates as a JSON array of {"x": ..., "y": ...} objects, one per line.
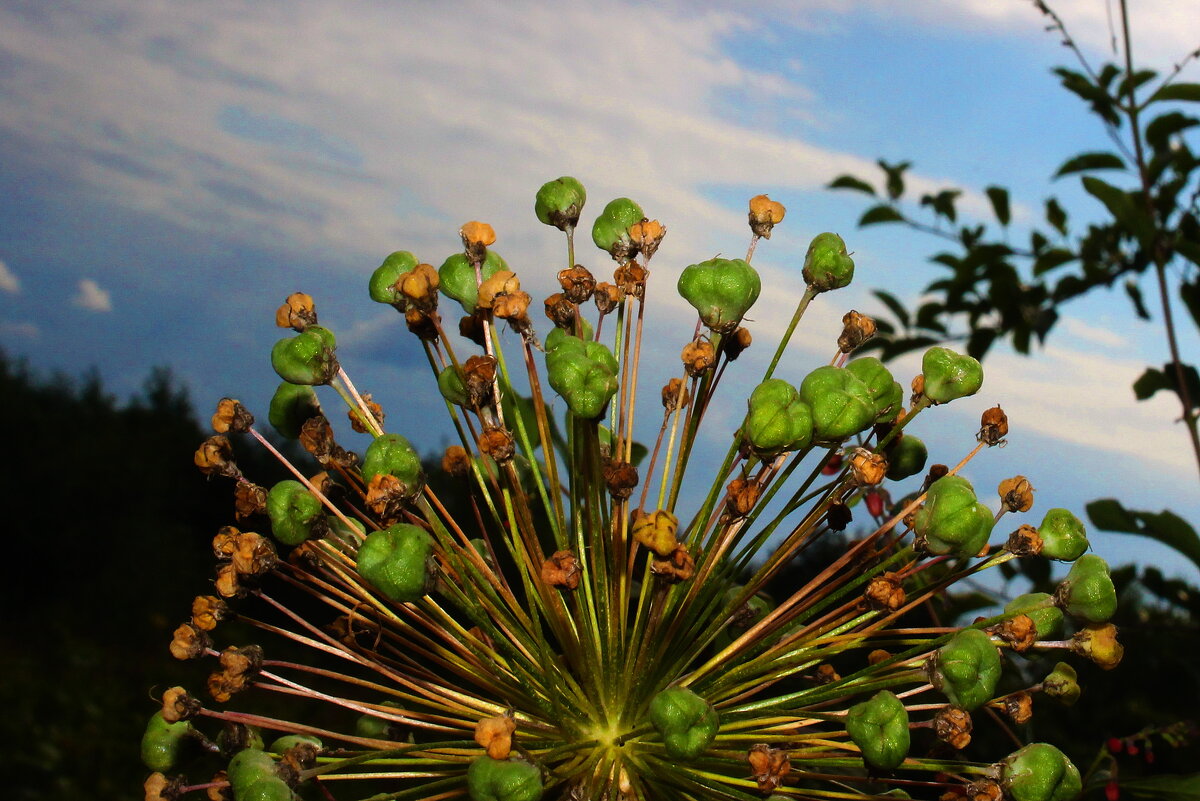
[
  {"x": 91, "y": 297},
  {"x": 9, "y": 282},
  {"x": 1092, "y": 333},
  {"x": 25, "y": 330}
]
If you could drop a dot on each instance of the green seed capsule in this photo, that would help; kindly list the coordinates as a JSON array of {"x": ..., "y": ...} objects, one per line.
[
  {"x": 1047, "y": 617},
  {"x": 886, "y": 391},
  {"x": 966, "y": 669},
  {"x": 162, "y": 742},
  {"x": 1063, "y": 536},
  {"x": 777, "y": 420},
  {"x": 827, "y": 266},
  {"x": 560, "y": 201},
  {"x": 396, "y": 561},
  {"x": 269, "y": 789},
  {"x": 287, "y": 741},
  {"x": 953, "y": 521},
  {"x": 509, "y": 779},
  {"x": 950, "y": 375},
  {"x": 249, "y": 766},
  {"x": 392, "y": 454},
  {"x": 721, "y": 291},
  {"x": 1062, "y": 684},
  {"x": 1039, "y": 772},
  {"x": 906, "y": 458},
  {"x": 610, "y": 232},
  {"x": 452, "y": 386},
  {"x": 383, "y": 280},
  {"x": 584, "y": 374},
  {"x": 374, "y": 727},
  {"x": 458, "y": 280},
  {"x": 841, "y": 404},
  {"x": 307, "y": 358},
  {"x": 556, "y": 337},
  {"x": 879, "y": 727},
  {"x": 1087, "y": 592},
  {"x": 686, "y": 722},
  {"x": 291, "y": 407},
  {"x": 754, "y": 610},
  {"x": 293, "y": 511}
]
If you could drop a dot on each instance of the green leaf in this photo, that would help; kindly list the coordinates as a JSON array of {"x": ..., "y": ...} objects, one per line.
[
  {"x": 880, "y": 214},
  {"x": 895, "y": 177},
  {"x": 1122, "y": 207},
  {"x": 850, "y": 182},
  {"x": 1090, "y": 161},
  {"x": 1170, "y": 787},
  {"x": 1160, "y": 129},
  {"x": 999, "y": 197},
  {"x": 1056, "y": 216},
  {"x": 1165, "y": 526},
  {"x": 1190, "y": 292},
  {"x": 1135, "y": 296},
  {"x": 1048, "y": 260},
  {"x": 1154, "y": 380},
  {"x": 1149, "y": 383},
  {"x": 1131, "y": 83},
  {"x": 1188, "y": 92},
  {"x": 896, "y": 307},
  {"x": 943, "y": 203}
]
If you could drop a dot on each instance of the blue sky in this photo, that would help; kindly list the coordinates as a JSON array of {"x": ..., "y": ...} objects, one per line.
[{"x": 171, "y": 171}]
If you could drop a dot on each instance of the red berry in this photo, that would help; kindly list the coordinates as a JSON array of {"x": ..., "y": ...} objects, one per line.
[
  {"x": 833, "y": 465},
  {"x": 1131, "y": 749},
  {"x": 874, "y": 503},
  {"x": 1111, "y": 791},
  {"x": 1149, "y": 755},
  {"x": 1115, "y": 745}
]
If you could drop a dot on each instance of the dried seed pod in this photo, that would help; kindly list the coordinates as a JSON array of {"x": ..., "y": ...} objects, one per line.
[
  {"x": 885, "y": 592},
  {"x": 253, "y": 555},
  {"x": 177, "y": 705},
  {"x": 631, "y": 279},
  {"x": 419, "y": 288},
  {"x": 387, "y": 496},
  {"x": 249, "y": 499},
  {"x": 158, "y": 787},
  {"x": 1019, "y": 707},
  {"x": 1099, "y": 644},
  {"x": 678, "y": 566},
  {"x": 423, "y": 324},
  {"x": 502, "y": 282},
  {"x": 647, "y": 235},
  {"x": 562, "y": 570},
  {"x": 297, "y": 312},
  {"x": 620, "y": 478},
  {"x": 953, "y": 725},
  {"x": 456, "y": 461},
  {"x": 479, "y": 379},
  {"x": 577, "y": 283},
  {"x": 189, "y": 642},
  {"x": 1024, "y": 542},
  {"x": 768, "y": 766},
  {"x": 477, "y": 237},
  {"x": 984, "y": 790},
  {"x": 741, "y": 495},
  {"x": 214, "y": 457},
  {"x": 562, "y": 311},
  {"x": 497, "y": 443},
  {"x": 765, "y": 214},
  {"x": 356, "y": 415},
  {"x": 869, "y": 468},
  {"x": 512, "y": 306},
  {"x": 698, "y": 357},
  {"x": 1020, "y": 632},
  {"x": 736, "y": 343},
  {"x": 838, "y": 516},
  {"x": 606, "y": 297},
  {"x": 856, "y": 329},
  {"x": 231, "y": 415},
  {"x": 656, "y": 531},
  {"x": 993, "y": 426},
  {"x": 496, "y": 734},
  {"x": 826, "y": 674},
  {"x": 208, "y": 611},
  {"x": 671, "y": 392}
]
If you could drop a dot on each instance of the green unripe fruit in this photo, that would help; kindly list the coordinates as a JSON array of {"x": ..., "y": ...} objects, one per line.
[
  {"x": 754, "y": 610},
  {"x": 584, "y": 374},
  {"x": 953, "y": 521},
  {"x": 886, "y": 392},
  {"x": 396, "y": 561},
  {"x": 826, "y": 264},
  {"x": 777, "y": 420},
  {"x": 1087, "y": 592},
  {"x": 841, "y": 404},
  {"x": 452, "y": 386},
  {"x": 1063, "y": 536},
  {"x": 906, "y": 457},
  {"x": 721, "y": 291},
  {"x": 162, "y": 742},
  {"x": 287, "y": 741},
  {"x": 392, "y": 454},
  {"x": 457, "y": 277},
  {"x": 559, "y": 202},
  {"x": 509, "y": 779},
  {"x": 686, "y": 722},
  {"x": 293, "y": 511},
  {"x": 374, "y": 727},
  {"x": 610, "y": 232},
  {"x": 291, "y": 407},
  {"x": 555, "y": 337},
  {"x": 966, "y": 669},
  {"x": 383, "y": 280},
  {"x": 879, "y": 727},
  {"x": 950, "y": 375},
  {"x": 307, "y": 358},
  {"x": 249, "y": 766},
  {"x": 1039, "y": 772},
  {"x": 1040, "y": 607},
  {"x": 271, "y": 789},
  {"x": 1062, "y": 684}
]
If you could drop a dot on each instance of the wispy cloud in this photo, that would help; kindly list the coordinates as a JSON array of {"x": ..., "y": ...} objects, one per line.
[
  {"x": 91, "y": 297},
  {"x": 9, "y": 282},
  {"x": 23, "y": 330}
]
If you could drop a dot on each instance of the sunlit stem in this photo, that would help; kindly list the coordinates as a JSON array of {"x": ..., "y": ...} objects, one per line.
[{"x": 805, "y": 299}]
